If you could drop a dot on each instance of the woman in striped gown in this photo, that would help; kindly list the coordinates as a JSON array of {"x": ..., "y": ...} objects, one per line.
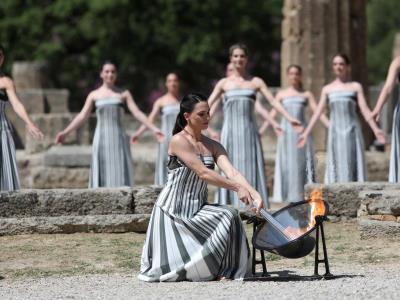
[
  {"x": 111, "y": 158},
  {"x": 294, "y": 167},
  {"x": 187, "y": 238},
  {"x": 392, "y": 77},
  {"x": 9, "y": 178},
  {"x": 345, "y": 160},
  {"x": 168, "y": 105},
  {"x": 239, "y": 133}
]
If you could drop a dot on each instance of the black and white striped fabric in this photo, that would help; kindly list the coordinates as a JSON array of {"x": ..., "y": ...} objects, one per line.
[
  {"x": 111, "y": 159},
  {"x": 189, "y": 239},
  {"x": 294, "y": 167},
  {"x": 9, "y": 179},
  {"x": 345, "y": 151},
  {"x": 241, "y": 140},
  {"x": 394, "y": 168},
  {"x": 168, "y": 118}
]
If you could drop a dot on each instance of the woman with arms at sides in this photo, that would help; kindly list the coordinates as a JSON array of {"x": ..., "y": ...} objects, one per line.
[
  {"x": 345, "y": 161},
  {"x": 9, "y": 178},
  {"x": 187, "y": 238},
  {"x": 239, "y": 133},
  {"x": 168, "y": 105},
  {"x": 392, "y": 77},
  {"x": 111, "y": 158},
  {"x": 294, "y": 167}
]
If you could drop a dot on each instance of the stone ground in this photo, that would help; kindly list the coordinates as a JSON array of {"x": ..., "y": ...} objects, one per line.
[{"x": 104, "y": 266}]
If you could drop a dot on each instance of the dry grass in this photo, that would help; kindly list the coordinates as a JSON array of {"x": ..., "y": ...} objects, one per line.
[{"x": 73, "y": 254}]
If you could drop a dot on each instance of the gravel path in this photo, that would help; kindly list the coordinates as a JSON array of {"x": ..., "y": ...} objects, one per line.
[{"x": 367, "y": 282}]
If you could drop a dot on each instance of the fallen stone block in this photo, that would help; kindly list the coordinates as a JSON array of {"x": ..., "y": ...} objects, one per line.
[
  {"x": 64, "y": 202},
  {"x": 115, "y": 223},
  {"x": 385, "y": 202},
  {"x": 378, "y": 229},
  {"x": 144, "y": 198}
]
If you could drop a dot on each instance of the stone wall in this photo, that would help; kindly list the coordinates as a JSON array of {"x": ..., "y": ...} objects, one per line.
[
  {"x": 379, "y": 213},
  {"x": 77, "y": 210}
]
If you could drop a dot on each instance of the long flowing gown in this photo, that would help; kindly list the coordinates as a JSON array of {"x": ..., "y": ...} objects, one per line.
[
  {"x": 294, "y": 167},
  {"x": 345, "y": 152},
  {"x": 241, "y": 140},
  {"x": 394, "y": 168},
  {"x": 168, "y": 118},
  {"x": 189, "y": 239},
  {"x": 111, "y": 158},
  {"x": 9, "y": 179}
]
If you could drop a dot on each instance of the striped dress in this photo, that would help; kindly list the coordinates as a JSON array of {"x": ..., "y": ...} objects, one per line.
[
  {"x": 345, "y": 160},
  {"x": 9, "y": 179},
  {"x": 394, "y": 167},
  {"x": 241, "y": 140},
  {"x": 294, "y": 167},
  {"x": 189, "y": 239},
  {"x": 111, "y": 159},
  {"x": 168, "y": 118}
]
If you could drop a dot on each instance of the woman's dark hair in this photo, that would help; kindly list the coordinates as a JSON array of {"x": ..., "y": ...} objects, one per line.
[
  {"x": 343, "y": 56},
  {"x": 238, "y": 46},
  {"x": 187, "y": 105},
  {"x": 108, "y": 62},
  {"x": 2, "y": 49},
  {"x": 294, "y": 66}
]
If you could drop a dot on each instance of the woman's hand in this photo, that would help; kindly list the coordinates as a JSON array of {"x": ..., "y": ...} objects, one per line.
[
  {"x": 244, "y": 195},
  {"x": 60, "y": 137},
  {"x": 302, "y": 140},
  {"x": 297, "y": 126},
  {"x": 35, "y": 132},
  {"x": 278, "y": 130},
  {"x": 135, "y": 138},
  {"x": 375, "y": 114},
  {"x": 159, "y": 135},
  {"x": 380, "y": 136},
  {"x": 258, "y": 204}
]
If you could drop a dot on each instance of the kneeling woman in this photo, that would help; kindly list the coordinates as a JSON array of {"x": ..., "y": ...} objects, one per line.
[{"x": 187, "y": 238}]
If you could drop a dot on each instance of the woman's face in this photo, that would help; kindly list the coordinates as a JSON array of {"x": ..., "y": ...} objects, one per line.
[
  {"x": 109, "y": 74},
  {"x": 2, "y": 57},
  {"x": 172, "y": 83},
  {"x": 294, "y": 76},
  {"x": 200, "y": 116},
  {"x": 339, "y": 66},
  {"x": 239, "y": 58}
]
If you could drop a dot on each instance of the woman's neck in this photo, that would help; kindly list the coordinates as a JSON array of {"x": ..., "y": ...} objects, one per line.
[{"x": 194, "y": 133}]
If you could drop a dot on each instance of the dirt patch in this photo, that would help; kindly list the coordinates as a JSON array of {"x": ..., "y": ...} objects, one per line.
[{"x": 93, "y": 253}]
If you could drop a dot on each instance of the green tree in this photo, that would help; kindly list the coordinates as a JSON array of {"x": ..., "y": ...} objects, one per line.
[
  {"x": 146, "y": 38},
  {"x": 383, "y": 24}
]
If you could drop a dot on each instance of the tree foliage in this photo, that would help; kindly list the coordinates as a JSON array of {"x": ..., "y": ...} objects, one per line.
[
  {"x": 383, "y": 24},
  {"x": 146, "y": 38}
]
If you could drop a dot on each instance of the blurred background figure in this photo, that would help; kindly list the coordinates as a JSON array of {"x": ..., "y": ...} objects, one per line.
[
  {"x": 294, "y": 167},
  {"x": 9, "y": 178},
  {"x": 111, "y": 158},
  {"x": 168, "y": 106},
  {"x": 345, "y": 160}
]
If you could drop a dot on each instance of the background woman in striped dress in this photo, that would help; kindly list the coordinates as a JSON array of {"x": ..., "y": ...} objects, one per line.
[
  {"x": 168, "y": 105},
  {"x": 345, "y": 160},
  {"x": 111, "y": 158},
  {"x": 239, "y": 133},
  {"x": 187, "y": 238},
  {"x": 393, "y": 74},
  {"x": 9, "y": 179},
  {"x": 294, "y": 167}
]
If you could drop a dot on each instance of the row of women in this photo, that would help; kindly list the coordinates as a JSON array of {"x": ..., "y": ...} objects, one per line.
[{"x": 188, "y": 238}]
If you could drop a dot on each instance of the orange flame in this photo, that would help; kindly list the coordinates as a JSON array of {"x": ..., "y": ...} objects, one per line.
[{"x": 317, "y": 209}]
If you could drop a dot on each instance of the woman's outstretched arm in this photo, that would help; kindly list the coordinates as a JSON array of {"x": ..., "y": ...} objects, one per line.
[{"x": 79, "y": 119}]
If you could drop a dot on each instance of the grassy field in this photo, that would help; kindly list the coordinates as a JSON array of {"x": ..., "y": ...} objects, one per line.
[{"x": 77, "y": 254}]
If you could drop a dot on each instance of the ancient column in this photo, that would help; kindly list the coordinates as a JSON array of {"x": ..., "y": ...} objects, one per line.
[{"x": 312, "y": 32}]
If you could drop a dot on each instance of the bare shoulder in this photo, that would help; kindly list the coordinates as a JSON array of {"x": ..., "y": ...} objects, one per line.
[
  {"x": 6, "y": 82},
  {"x": 257, "y": 80},
  {"x": 356, "y": 85}
]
